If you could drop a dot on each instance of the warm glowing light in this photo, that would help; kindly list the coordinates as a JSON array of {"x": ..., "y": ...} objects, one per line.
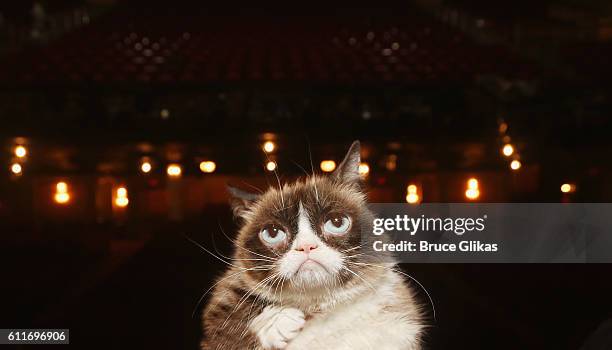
[
  {"x": 20, "y": 151},
  {"x": 164, "y": 113},
  {"x": 503, "y": 127},
  {"x": 412, "y": 196},
  {"x": 121, "y": 200},
  {"x": 391, "y": 162},
  {"x": 62, "y": 198},
  {"x": 174, "y": 170},
  {"x": 508, "y": 150},
  {"x": 146, "y": 167},
  {"x": 472, "y": 191},
  {"x": 61, "y": 187},
  {"x": 271, "y": 166},
  {"x": 121, "y": 192},
  {"x": 472, "y": 183},
  {"x": 568, "y": 188},
  {"x": 269, "y": 146},
  {"x": 61, "y": 193},
  {"x": 16, "y": 169},
  {"x": 515, "y": 165},
  {"x": 328, "y": 166},
  {"x": 364, "y": 169},
  {"x": 208, "y": 166}
]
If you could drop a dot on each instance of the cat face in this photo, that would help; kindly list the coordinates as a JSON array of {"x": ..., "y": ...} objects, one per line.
[{"x": 308, "y": 234}]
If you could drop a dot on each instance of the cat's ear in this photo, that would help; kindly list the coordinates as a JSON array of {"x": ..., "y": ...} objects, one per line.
[
  {"x": 241, "y": 201},
  {"x": 348, "y": 170}
]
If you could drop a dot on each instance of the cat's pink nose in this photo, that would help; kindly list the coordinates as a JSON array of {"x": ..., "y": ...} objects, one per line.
[{"x": 306, "y": 247}]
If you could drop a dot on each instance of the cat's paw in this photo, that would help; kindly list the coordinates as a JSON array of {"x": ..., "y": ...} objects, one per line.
[{"x": 276, "y": 326}]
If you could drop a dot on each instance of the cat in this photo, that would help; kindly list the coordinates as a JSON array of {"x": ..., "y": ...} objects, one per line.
[{"x": 302, "y": 278}]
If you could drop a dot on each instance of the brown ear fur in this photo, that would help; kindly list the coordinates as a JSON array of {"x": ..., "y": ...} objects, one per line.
[
  {"x": 241, "y": 200},
  {"x": 348, "y": 170}
]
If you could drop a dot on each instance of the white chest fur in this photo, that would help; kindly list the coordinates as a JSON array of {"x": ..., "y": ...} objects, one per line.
[{"x": 379, "y": 319}]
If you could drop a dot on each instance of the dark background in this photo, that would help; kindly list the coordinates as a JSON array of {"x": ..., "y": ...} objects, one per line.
[{"x": 94, "y": 88}]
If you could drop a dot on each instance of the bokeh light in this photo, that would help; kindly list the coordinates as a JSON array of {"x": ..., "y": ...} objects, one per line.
[
  {"x": 328, "y": 166},
  {"x": 508, "y": 150},
  {"x": 271, "y": 166},
  {"x": 269, "y": 146},
  {"x": 20, "y": 151},
  {"x": 16, "y": 169},
  {"x": 121, "y": 199},
  {"x": 364, "y": 169},
  {"x": 61, "y": 187},
  {"x": 568, "y": 188},
  {"x": 412, "y": 195},
  {"x": 61, "y": 196},
  {"x": 146, "y": 167},
  {"x": 208, "y": 166},
  {"x": 174, "y": 170},
  {"x": 472, "y": 192}
]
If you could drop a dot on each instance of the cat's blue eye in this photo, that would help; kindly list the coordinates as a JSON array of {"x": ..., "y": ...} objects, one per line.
[
  {"x": 337, "y": 224},
  {"x": 272, "y": 235}
]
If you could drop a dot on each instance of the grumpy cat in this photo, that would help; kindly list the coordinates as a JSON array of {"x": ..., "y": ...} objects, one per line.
[{"x": 302, "y": 278}]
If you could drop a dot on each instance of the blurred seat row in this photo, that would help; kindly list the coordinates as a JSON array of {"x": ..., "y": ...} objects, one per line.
[{"x": 128, "y": 47}]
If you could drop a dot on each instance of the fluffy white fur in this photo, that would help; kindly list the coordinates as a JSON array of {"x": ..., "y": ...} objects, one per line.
[
  {"x": 359, "y": 320},
  {"x": 275, "y": 326},
  {"x": 367, "y": 322}
]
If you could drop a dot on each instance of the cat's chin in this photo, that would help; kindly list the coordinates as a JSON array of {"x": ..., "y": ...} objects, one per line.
[
  {"x": 311, "y": 265},
  {"x": 311, "y": 274}
]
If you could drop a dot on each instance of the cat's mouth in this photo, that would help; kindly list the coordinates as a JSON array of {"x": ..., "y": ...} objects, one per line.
[{"x": 311, "y": 265}]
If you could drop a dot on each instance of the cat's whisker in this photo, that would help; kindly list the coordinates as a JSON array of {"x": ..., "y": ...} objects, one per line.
[
  {"x": 255, "y": 259},
  {"x": 277, "y": 282},
  {"x": 282, "y": 284},
  {"x": 243, "y": 299},
  {"x": 245, "y": 249},
  {"x": 276, "y": 210},
  {"x": 266, "y": 259},
  {"x": 280, "y": 187},
  {"x": 256, "y": 301},
  {"x": 314, "y": 182},
  {"x": 433, "y": 308},
  {"x": 208, "y": 291},
  {"x": 314, "y": 185},
  {"x": 236, "y": 259},
  {"x": 351, "y": 249},
  {"x": 219, "y": 281},
  {"x": 354, "y": 256},
  {"x": 259, "y": 267},
  {"x": 253, "y": 187},
  {"x": 299, "y": 166},
  {"x": 264, "y": 267},
  {"x": 221, "y": 326},
  {"x": 211, "y": 253},
  {"x": 358, "y": 276},
  {"x": 214, "y": 243}
]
